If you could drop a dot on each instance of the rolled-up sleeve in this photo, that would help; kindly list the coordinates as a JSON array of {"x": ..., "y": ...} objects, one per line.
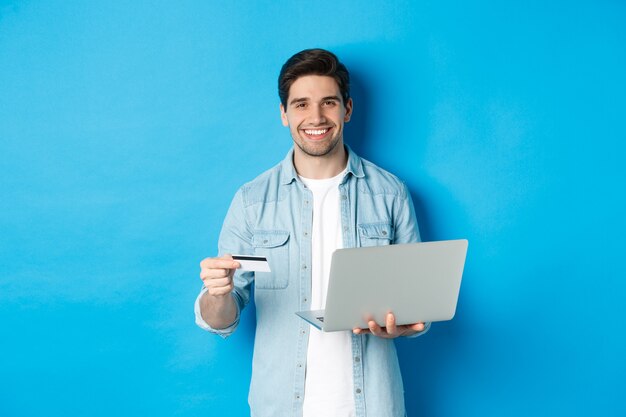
[{"x": 226, "y": 331}]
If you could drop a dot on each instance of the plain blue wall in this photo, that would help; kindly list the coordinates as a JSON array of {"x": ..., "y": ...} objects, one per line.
[{"x": 126, "y": 127}]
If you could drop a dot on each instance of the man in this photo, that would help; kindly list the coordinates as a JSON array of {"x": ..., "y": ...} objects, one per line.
[{"x": 321, "y": 197}]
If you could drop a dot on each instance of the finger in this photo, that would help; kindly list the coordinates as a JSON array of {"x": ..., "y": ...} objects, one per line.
[
  {"x": 418, "y": 327},
  {"x": 225, "y": 263},
  {"x": 358, "y": 330},
  {"x": 219, "y": 263},
  {"x": 410, "y": 329},
  {"x": 217, "y": 282},
  {"x": 374, "y": 328},
  {"x": 214, "y": 273},
  {"x": 220, "y": 291},
  {"x": 391, "y": 324},
  {"x": 221, "y": 288},
  {"x": 229, "y": 257}
]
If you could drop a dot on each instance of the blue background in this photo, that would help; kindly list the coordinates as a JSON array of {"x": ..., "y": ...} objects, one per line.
[{"x": 126, "y": 128}]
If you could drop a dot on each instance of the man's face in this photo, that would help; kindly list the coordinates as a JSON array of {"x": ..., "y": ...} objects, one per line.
[{"x": 315, "y": 114}]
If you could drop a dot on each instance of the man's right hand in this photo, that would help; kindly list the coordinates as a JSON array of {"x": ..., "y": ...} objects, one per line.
[{"x": 217, "y": 274}]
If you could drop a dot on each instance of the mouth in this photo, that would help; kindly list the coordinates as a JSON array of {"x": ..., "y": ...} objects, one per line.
[{"x": 316, "y": 134}]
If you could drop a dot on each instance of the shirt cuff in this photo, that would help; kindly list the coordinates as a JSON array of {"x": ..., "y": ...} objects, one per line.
[{"x": 226, "y": 331}]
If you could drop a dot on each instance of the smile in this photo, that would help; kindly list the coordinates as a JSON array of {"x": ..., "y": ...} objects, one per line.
[{"x": 315, "y": 132}]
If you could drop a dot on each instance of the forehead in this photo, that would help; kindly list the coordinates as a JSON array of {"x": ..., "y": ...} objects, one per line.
[{"x": 313, "y": 87}]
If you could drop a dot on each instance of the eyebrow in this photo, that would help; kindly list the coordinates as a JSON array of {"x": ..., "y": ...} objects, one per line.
[
  {"x": 298, "y": 100},
  {"x": 305, "y": 99}
]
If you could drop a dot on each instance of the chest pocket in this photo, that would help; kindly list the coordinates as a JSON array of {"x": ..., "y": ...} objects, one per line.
[
  {"x": 376, "y": 234},
  {"x": 273, "y": 244}
]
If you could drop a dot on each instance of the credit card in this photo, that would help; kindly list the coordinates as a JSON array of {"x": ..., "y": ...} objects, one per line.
[{"x": 252, "y": 263}]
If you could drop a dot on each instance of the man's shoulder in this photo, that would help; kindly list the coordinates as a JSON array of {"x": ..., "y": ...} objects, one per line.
[
  {"x": 380, "y": 181},
  {"x": 269, "y": 175},
  {"x": 260, "y": 188}
]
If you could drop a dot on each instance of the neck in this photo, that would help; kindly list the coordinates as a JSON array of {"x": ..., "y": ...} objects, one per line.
[{"x": 320, "y": 167}]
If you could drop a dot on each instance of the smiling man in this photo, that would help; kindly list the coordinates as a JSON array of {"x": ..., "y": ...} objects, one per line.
[
  {"x": 321, "y": 197},
  {"x": 315, "y": 115}
]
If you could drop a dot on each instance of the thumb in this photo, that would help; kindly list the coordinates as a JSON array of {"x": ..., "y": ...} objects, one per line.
[{"x": 229, "y": 257}]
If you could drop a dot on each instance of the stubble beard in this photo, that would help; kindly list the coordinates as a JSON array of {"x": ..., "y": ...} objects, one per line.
[{"x": 315, "y": 151}]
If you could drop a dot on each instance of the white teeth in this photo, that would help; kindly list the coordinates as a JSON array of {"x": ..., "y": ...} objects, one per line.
[{"x": 315, "y": 131}]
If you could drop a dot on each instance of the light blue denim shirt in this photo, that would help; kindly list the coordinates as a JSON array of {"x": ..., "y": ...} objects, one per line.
[{"x": 272, "y": 216}]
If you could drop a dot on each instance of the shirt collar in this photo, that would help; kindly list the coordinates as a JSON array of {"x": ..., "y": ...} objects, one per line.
[{"x": 288, "y": 170}]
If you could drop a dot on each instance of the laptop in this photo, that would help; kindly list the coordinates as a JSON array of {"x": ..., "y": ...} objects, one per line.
[{"x": 418, "y": 282}]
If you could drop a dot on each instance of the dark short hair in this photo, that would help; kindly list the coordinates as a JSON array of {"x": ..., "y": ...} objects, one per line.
[{"x": 313, "y": 62}]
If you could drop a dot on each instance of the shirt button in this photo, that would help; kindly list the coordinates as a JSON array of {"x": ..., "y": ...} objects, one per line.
[
  {"x": 384, "y": 233},
  {"x": 357, "y": 359},
  {"x": 265, "y": 241},
  {"x": 345, "y": 228},
  {"x": 358, "y": 390},
  {"x": 303, "y": 266},
  {"x": 343, "y": 197},
  {"x": 306, "y": 233}
]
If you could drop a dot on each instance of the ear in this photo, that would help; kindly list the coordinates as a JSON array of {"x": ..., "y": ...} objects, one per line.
[
  {"x": 348, "y": 107},
  {"x": 283, "y": 115}
]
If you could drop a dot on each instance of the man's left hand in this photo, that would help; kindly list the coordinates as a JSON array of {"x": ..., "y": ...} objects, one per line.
[{"x": 391, "y": 330}]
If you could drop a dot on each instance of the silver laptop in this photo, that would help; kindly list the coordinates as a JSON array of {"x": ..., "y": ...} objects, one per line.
[{"x": 418, "y": 282}]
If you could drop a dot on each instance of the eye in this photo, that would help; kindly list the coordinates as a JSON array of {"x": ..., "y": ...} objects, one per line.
[
  {"x": 300, "y": 105},
  {"x": 329, "y": 103}
]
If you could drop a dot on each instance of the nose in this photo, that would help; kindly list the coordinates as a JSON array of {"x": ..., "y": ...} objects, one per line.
[{"x": 317, "y": 115}]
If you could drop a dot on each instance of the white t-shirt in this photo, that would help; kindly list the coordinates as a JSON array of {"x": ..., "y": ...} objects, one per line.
[{"x": 329, "y": 381}]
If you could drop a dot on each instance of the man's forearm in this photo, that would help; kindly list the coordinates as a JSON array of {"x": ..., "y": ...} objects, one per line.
[{"x": 218, "y": 312}]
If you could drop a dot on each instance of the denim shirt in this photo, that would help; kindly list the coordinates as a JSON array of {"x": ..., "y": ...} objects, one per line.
[{"x": 272, "y": 216}]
